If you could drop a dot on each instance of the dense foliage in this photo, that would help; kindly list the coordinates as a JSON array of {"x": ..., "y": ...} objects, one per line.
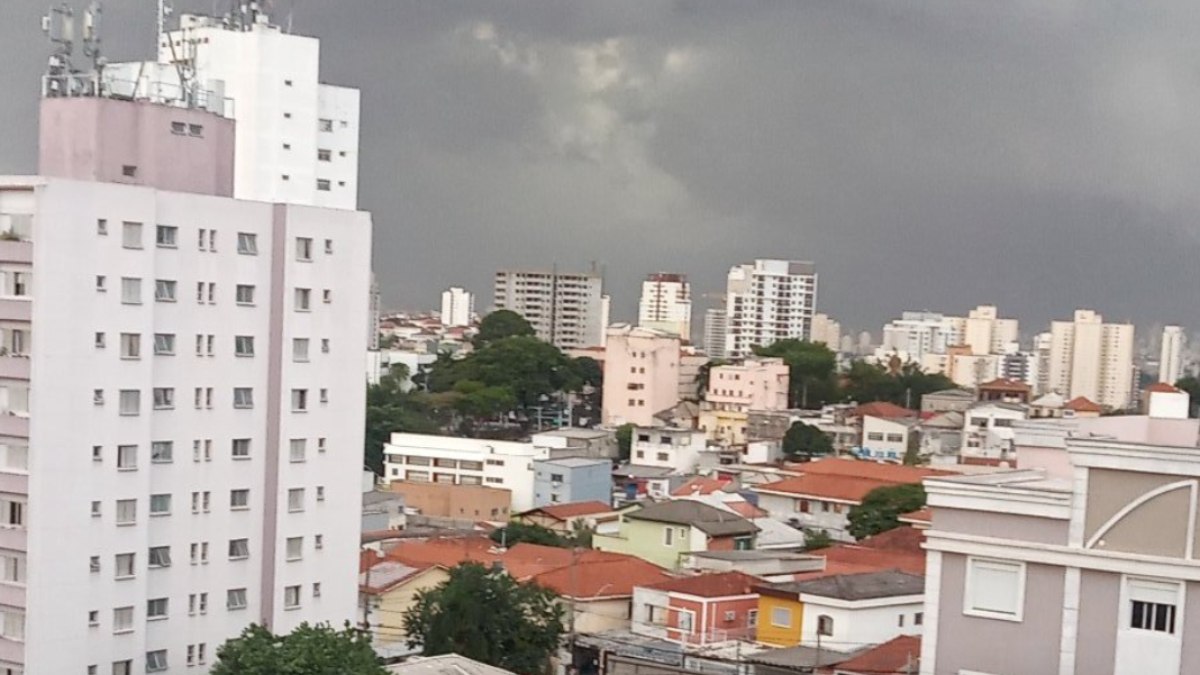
[
  {"x": 307, "y": 650},
  {"x": 804, "y": 441},
  {"x": 486, "y": 615},
  {"x": 625, "y": 441},
  {"x": 1192, "y": 386},
  {"x": 501, "y": 324},
  {"x": 881, "y": 508}
]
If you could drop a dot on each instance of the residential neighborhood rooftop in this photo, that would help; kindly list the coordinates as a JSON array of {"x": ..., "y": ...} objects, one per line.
[
  {"x": 901, "y": 654},
  {"x": 882, "y": 409},
  {"x": 865, "y": 586},
  {"x": 708, "y": 519},
  {"x": 571, "y": 509},
  {"x": 718, "y": 585}
]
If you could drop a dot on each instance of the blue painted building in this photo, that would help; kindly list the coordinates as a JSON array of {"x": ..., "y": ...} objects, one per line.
[{"x": 571, "y": 479}]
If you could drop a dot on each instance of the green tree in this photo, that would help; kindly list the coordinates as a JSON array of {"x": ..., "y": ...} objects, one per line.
[
  {"x": 589, "y": 371},
  {"x": 479, "y": 401},
  {"x": 804, "y": 441},
  {"x": 390, "y": 409},
  {"x": 881, "y": 508},
  {"x": 486, "y": 615},
  {"x": 1191, "y": 385},
  {"x": 515, "y": 533},
  {"x": 307, "y": 650},
  {"x": 904, "y": 385},
  {"x": 815, "y": 539},
  {"x": 812, "y": 371},
  {"x": 500, "y": 324},
  {"x": 624, "y": 441}
]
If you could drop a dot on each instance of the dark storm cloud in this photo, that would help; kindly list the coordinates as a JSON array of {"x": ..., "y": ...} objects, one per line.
[{"x": 1036, "y": 154}]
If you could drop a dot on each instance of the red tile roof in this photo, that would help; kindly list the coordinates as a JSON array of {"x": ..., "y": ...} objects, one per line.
[
  {"x": 601, "y": 578},
  {"x": 898, "y": 548},
  {"x": 882, "y": 409},
  {"x": 1162, "y": 388},
  {"x": 893, "y": 473},
  {"x": 571, "y": 510},
  {"x": 720, "y": 585},
  {"x": 1082, "y": 404},
  {"x": 924, "y": 515},
  {"x": 898, "y": 655},
  {"x": 897, "y": 539},
  {"x": 747, "y": 510},
  {"x": 1006, "y": 384},
  {"x": 847, "y": 480},
  {"x": 699, "y": 485},
  {"x": 848, "y": 489}
]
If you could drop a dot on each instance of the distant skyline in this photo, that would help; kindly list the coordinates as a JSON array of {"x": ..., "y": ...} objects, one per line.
[{"x": 1039, "y": 155}]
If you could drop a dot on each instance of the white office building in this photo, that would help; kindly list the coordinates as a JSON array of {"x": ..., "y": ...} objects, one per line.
[
  {"x": 769, "y": 300},
  {"x": 458, "y": 307},
  {"x": 1092, "y": 359},
  {"x": 1170, "y": 358},
  {"x": 917, "y": 334},
  {"x": 715, "y": 325},
  {"x": 566, "y": 309},
  {"x": 666, "y": 305},
  {"x": 179, "y": 367}
]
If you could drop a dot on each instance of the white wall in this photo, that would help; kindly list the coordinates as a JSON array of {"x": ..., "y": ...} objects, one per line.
[
  {"x": 868, "y": 623},
  {"x": 510, "y": 467},
  {"x": 681, "y": 449}
]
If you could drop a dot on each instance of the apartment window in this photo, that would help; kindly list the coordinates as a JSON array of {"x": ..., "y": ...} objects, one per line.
[
  {"x": 303, "y": 299},
  {"x": 195, "y": 130},
  {"x": 247, "y": 243},
  {"x": 239, "y": 549},
  {"x": 235, "y": 598},
  {"x": 100, "y": 341},
  {"x": 668, "y": 536},
  {"x": 178, "y": 128},
  {"x": 825, "y": 625},
  {"x": 156, "y": 661},
  {"x": 291, "y": 597},
  {"x": 324, "y": 345},
  {"x": 94, "y": 564},
  {"x": 324, "y": 155},
  {"x": 156, "y": 608},
  {"x": 127, "y": 457},
  {"x": 124, "y": 565},
  {"x": 304, "y": 249},
  {"x": 160, "y": 505},
  {"x": 300, "y": 349},
  {"x": 662, "y": 456},
  {"x": 131, "y": 345},
  {"x": 324, "y": 125},
  {"x": 93, "y": 620},
  {"x": 919, "y": 618},
  {"x": 131, "y": 289},
  {"x": 995, "y": 589},
  {"x": 245, "y": 294},
  {"x": 296, "y": 499},
  {"x": 298, "y": 449},
  {"x": 166, "y": 236},
  {"x": 1152, "y": 605},
  {"x": 324, "y": 395},
  {"x": 752, "y": 617},
  {"x": 320, "y": 493},
  {"x": 202, "y": 239},
  {"x": 123, "y": 619},
  {"x": 243, "y": 345},
  {"x": 243, "y": 397},
  {"x": 131, "y": 402},
  {"x": 299, "y": 400},
  {"x": 12, "y": 568},
  {"x": 321, "y": 447},
  {"x": 241, "y": 448},
  {"x": 295, "y": 548},
  {"x": 328, "y": 247},
  {"x": 126, "y": 511},
  {"x": 874, "y": 436},
  {"x": 101, "y": 226},
  {"x": 164, "y": 344},
  {"x": 212, "y": 241},
  {"x": 317, "y": 589},
  {"x": 781, "y": 617},
  {"x": 239, "y": 499},
  {"x": 165, "y": 290},
  {"x": 318, "y": 541},
  {"x": 131, "y": 235},
  {"x": 162, "y": 452},
  {"x": 323, "y": 184},
  {"x": 164, "y": 398},
  {"x": 327, "y": 296}
]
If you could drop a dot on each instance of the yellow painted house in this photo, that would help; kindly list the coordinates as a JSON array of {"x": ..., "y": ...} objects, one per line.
[
  {"x": 388, "y": 590},
  {"x": 780, "y": 616}
]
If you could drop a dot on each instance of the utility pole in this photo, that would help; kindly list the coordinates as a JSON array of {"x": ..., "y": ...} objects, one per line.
[
  {"x": 366, "y": 620},
  {"x": 574, "y": 592}
]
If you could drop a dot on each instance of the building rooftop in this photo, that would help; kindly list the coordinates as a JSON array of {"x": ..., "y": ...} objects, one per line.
[
  {"x": 1082, "y": 404},
  {"x": 708, "y": 519},
  {"x": 575, "y": 432},
  {"x": 865, "y": 586},
  {"x": 574, "y": 462},
  {"x": 640, "y": 471},
  {"x": 860, "y": 468},
  {"x": 960, "y": 394},
  {"x": 599, "y": 579},
  {"x": 901, "y": 654},
  {"x": 882, "y": 409},
  {"x": 720, "y": 585},
  {"x": 381, "y": 496},
  {"x": 849, "y": 489},
  {"x": 444, "y": 664},
  {"x": 700, "y": 485},
  {"x": 571, "y": 510},
  {"x": 799, "y": 659},
  {"x": 1006, "y": 384},
  {"x": 387, "y": 573}
]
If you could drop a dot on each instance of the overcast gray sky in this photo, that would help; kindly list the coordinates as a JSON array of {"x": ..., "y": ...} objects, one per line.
[{"x": 927, "y": 154}]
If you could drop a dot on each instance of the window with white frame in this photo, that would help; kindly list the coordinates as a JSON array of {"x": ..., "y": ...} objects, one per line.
[
  {"x": 100, "y": 341},
  {"x": 160, "y": 504},
  {"x": 247, "y": 243},
  {"x": 124, "y": 565},
  {"x": 243, "y": 397},
  {"x": 825, "y": 625},
  {"x": 156, "y": 661},
  {"x": 304, "y": 249},
  {"x": 101, "y": 283},
  {"x": 668, "y": 536},
  {"x": 164, "y": 344},
  {"x": 245, "y": 294},
  {"x": 296, "y": 499},
  {"x": 164, "y": 398},
  {"x": 781, "y": 617},
  {"x": 131, "y": 402},
  {"x": 241, "y": 448},
  {"x": 239, "y": 499},
  {"x": 165, "y": 290},
  {"x": 131, "y": 234},
  {"x": 131, "y": 290},
  {"x": 685, "y": 621},
  {"x": 243, "y": 345},
  {"x": 295, "y": 548},
  {"x": 122, "y": 619},
  {"x": 156, "y": 608},
  {"x": 126, "y": 511},
  {"x": 300, "y": 349},
  {"x": 127, "y": 457},
  {"x": 166, "y": 236},
  {"x": 324, "y": 184},
  {"x": 995, "y": 589},
  {"x": 131, "y": 345},
  {"x": 12, "y": 511},
  {"x": 297, "y": 450},
  {"x": 235, "y": 598},
  {"x": 291, "y": 597},
  {"x": 1152, "y": 604},
  {"x": 239, "y": 549}
]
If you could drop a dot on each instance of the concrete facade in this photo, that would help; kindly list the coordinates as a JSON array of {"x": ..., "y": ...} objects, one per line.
[
  {"x": 458, "y": 307},
  {"x": 768, "y": 300},
  {"x": 571, "y": 479},
  {"x": 641, "y": 375},
  {"x": 666, "y": 305},
  {"x": 568, "y": 310},
  {"x": 422, "y": 458},
  {"x": 1093, "y": 359}
]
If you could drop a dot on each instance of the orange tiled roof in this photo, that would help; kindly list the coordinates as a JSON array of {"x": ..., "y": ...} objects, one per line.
[
  {"x": 896, "y": 539},
  {"x": 711, "y": 585},
  {"x": 898, "y": 655},
  {"x": 614, "y": 577},
  {"x": 891, "y": 473},
  {"x": 838, "y": 488},
  {"x": 882, "y": 409},
  {"x": 1082, "y": 404},
  {"x": 700, "y": 485},
  {"x": 1006, "y": 384},
  {"x": 572, "y": 509},
  {"x": 1161, "y": 388},
  {"x": 747, "y": 510},
  {"x": 898, "y": 548}
]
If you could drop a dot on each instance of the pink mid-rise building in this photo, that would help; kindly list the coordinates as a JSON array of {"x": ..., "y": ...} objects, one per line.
[
  {"x": 641, "y": 374},
  {"x": 753, "y": 384}
]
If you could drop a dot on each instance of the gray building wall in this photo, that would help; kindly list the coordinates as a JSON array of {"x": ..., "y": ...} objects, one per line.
[{"x": 579, "y": 483}]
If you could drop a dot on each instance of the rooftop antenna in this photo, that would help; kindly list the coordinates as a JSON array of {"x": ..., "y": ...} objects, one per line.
[
  {"x": 59, "y": 26},
  {"x": 164, "y": 10}
]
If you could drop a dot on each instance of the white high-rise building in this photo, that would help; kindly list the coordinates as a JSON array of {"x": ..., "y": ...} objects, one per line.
[
  {"x": 1170, "y": 359},
  {"x": 769, "y": 300},
  {"x": 458, "y": 306},
  {"x": 567, "y": 310},
  {"x": 666, "y": 305},
  {"x": 984, "y": 332},
  {"x": 916, "y": 334},
  {"x": 827, "y": 331},
  {"x": 715, "y": 324},
  {"x": 297, "y": 138},
  {"x": 178, "y": 370},
  {"x": 1092, "y": 359}
]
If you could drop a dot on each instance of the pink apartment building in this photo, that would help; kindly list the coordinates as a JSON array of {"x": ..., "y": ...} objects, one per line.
[
  {"x": 753, "y": 384},
  {"x": 641, "y": 374}
]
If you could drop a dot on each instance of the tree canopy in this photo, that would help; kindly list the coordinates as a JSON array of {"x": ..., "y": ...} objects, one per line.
[
  {"x": 307, "y": 650},
  {"x": 515, "y": 532},
  {"x": 804, "y": 441},
  {"x": 1192, "y": 386},
  {"x": 486, "y": 615},
  {"x": 390, "y": 408},
  {"x": 812, "y": 369},
  {"x": 881, "y": 508},
  {"x": 904, "y": 386},
  {"x": 500, "y": 324}
]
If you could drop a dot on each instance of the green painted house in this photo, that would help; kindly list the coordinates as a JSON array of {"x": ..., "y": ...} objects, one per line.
[{"x": 661, "y": 533}]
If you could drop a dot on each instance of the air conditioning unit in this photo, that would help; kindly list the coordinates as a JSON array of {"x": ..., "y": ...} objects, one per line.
[{"x": 730, "y": 615}]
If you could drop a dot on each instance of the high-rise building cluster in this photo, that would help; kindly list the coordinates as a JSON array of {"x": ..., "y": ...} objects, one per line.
[{"x": 569, "y": 310}]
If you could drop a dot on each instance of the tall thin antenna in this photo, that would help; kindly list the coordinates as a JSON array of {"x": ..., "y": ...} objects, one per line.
[{"x": 162, "y": 23}]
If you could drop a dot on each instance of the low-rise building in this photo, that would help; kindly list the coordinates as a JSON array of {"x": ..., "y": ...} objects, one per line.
[
  {"x": 677, "y": 449},
  {"x": 752, "y": 384},
  {"x": 988, "y": 430},
  {"x": 577, "y": 442},
  {"x": 947, "y": 400},
  {"x": 457, "y": 502},
  {"x": 884, "y": 438},
  {"x": 1005, "y": 390},
  {"x": 569, "y": 518},
  {"x": 842, "y": 612},
  {"x": 941, "y": 438},
  {"x": 899, "y": 656},
  {"x": 661, "y": 533},
  {"x": 386, "y": 590},
  {"x": 641, "y": 374},
  {"x": 571, "y": 479},
  {"x": 698, "y": 611},
  {"x": 423, "y": 458}
]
